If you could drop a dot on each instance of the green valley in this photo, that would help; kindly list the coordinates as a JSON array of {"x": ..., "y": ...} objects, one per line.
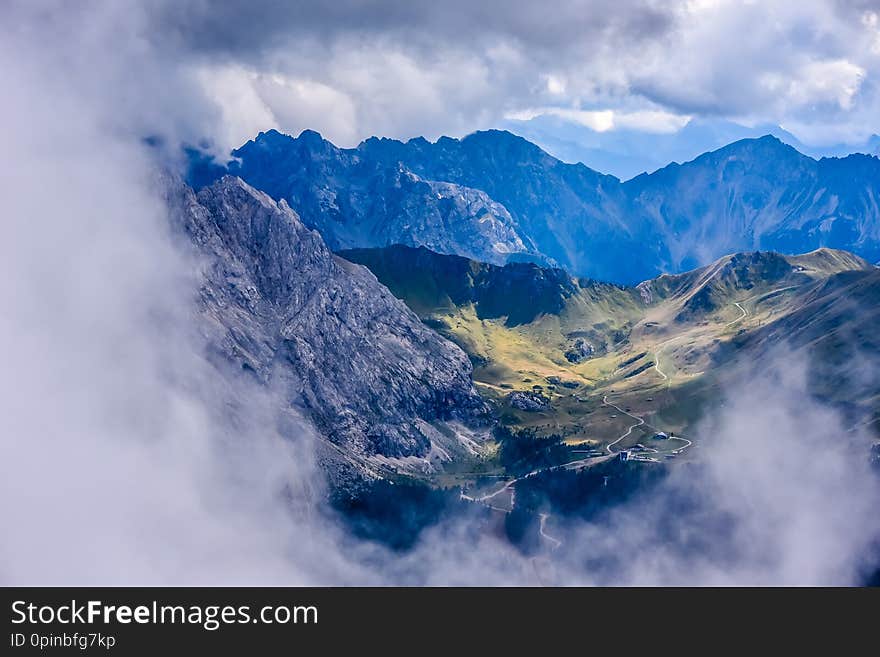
[{"x": 609, "y": 368}]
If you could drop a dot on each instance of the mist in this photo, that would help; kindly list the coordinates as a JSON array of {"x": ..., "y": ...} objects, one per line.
[
  {"x": 779, "y": 493},
  {"x": 128, "y": 458}
]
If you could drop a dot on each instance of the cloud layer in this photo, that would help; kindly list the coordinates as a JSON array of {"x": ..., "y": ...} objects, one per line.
[{"x": 353, "y": 69}]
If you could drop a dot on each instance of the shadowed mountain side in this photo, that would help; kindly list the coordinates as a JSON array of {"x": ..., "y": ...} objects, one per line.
[
  {"x": 573, "y": 214},
  {"x": 517, "y": 292}
]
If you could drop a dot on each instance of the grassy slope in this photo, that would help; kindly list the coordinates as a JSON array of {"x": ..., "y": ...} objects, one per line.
[{"x": 687, "y": 327}]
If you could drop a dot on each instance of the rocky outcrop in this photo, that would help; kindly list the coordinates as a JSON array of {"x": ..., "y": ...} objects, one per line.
[
  {"x": 565, "y": 383},
  {"x": 532, "y": 402},
  {"x": 279, "y": 305},
  {"x": 579, "y": 351}
]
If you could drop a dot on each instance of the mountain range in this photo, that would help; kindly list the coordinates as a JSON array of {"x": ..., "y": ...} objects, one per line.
[
  {"x": 628, "y": 152},
  {"x": 497, "y": 198}
]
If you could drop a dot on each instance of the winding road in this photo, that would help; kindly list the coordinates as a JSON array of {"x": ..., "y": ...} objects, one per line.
[
  {"x": 505, "y": 487},
  {"x": 571, "y": 465},
  {"x": 745, "y": 312},
  {"x": 741, "y": 317},
  {"x": 657, "y": 355},
  {"x": 640, "y": 422},
  {"x": 657, "y": 366},
  {"x": 683, "y": 447},
  {"x": 555, "y": 541}
]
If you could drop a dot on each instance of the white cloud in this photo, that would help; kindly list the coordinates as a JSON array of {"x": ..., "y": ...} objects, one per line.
[
  {"x": 605, "y": 120},
  {"x": 871, "y": 21},
  {"x": 243, "y": 111},
  {"x": 651, "y": 121},
  {"x": 357, "y": 71},
  {"x": 555, "y": 85},
  {"x": 300, "y": 104},
  {"x": 250, "y": 101},
  {"x": 808, "y": 65},
  {"x": 600, "y": 120},
  {"x": 820, "y": 82}
]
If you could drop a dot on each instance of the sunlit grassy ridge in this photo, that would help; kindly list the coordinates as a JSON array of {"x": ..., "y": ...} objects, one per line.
[{"x": 660, "y": 349}]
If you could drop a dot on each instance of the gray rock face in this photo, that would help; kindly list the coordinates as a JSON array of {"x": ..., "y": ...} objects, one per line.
[
  {"x": 529, "y": 401},
  {"x": 280, "y": 305},
  {"x": 565, "y": 383},
  {"x": 579, "y": 351},
  {"x": 354, "y": 201}
]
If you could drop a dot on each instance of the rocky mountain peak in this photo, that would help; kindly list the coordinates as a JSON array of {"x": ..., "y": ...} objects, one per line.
[{"x": 279, "y": 304}]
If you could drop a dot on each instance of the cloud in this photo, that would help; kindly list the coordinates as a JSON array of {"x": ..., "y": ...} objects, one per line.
[
  {"x": 834, "y": 82},
  {"x": 258, "y": 29},
  {"x": 242, "y": 108},
  {"x": 647, "y": 120},
  {"x": 808, "y": 65},
  {"x": 781, "y": 494},
  {"x": 401, "y": 70},
  {"x": 126, "y": 457},
  {"x": 871, "y": 20},
  {"x": 353, "y": 69}
]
